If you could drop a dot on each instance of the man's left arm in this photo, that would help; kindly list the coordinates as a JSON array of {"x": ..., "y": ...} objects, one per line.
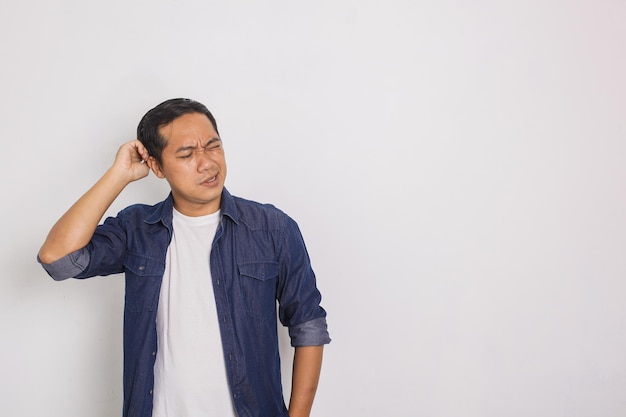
[
  {"x": 307, "y": 363},
  {"x": 300, "y": 310}
]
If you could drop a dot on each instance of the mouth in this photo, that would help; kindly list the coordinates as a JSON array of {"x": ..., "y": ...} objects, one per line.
[{"x": 209, "y": 181}]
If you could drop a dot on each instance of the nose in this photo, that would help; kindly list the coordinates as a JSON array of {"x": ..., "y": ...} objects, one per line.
[{"x": 205, "y": 162}]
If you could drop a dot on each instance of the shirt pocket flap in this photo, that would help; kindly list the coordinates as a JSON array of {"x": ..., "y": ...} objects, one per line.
[
  {"x": 143, "y": 266},
  {"x": 260, "y": 270}
]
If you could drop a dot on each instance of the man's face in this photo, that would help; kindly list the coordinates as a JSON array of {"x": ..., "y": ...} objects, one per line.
[{"x": 193, "y": 164}]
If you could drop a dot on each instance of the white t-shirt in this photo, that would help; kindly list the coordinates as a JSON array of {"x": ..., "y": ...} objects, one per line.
[{"x": 189, "y": 373}]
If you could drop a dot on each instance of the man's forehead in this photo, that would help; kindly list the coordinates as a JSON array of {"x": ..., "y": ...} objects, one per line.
[{"x": 189, "y": 127}]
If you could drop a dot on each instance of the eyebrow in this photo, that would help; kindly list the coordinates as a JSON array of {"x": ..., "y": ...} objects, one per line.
[{"x": 187, "y": 148}]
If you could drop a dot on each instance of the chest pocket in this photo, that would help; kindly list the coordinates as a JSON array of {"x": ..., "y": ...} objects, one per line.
[
  {"x": 143, "y": 282},
  {"x": 259, "y": 282}
]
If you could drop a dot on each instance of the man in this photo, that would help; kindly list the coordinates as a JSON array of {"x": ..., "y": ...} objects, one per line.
[{"x": 203, "y": 273}]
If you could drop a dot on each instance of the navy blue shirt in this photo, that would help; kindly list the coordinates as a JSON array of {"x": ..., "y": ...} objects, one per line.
[{"x": 258, "y": 257}]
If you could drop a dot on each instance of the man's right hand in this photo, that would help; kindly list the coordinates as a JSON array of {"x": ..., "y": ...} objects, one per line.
[{"x": 131, "y": 161}]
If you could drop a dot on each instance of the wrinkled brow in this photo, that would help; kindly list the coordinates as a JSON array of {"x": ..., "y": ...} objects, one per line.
[{"x": 187, "y": 148}]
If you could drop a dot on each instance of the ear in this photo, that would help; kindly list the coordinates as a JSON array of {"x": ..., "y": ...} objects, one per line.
[{"x": 155, "y": 167}]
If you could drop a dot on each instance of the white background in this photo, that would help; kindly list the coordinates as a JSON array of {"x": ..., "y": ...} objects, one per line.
[{"x": 457, "y": 168}]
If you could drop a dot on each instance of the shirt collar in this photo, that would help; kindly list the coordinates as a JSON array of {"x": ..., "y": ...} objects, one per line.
[
  {"x": 228, "y": 206},
  {"x": 163, "y": 212}
]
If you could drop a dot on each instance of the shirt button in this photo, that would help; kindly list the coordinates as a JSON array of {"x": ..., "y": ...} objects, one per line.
[
  {"x": 142, "y": 267},
  {"x": 153, "y": 353},
  {"x": 150, "y": 392}
]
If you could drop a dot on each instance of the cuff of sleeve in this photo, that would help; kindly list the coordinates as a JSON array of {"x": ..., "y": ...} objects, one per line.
[
  {"x": 310, "y": 333},
  {"x": 68, "y": 266}
]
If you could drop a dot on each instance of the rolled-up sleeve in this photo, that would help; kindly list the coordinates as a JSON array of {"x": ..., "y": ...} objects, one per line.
[
  {"x": 298, "y": 295},
  {"x": 310, "y": 333},
  {"x": 68, "y": 266}
]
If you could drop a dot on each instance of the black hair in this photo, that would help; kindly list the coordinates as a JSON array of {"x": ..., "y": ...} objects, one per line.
[{"x": 163, "y": 114}]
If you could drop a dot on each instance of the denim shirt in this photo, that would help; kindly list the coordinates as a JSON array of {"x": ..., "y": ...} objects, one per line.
[{"x": 258, "y": 257}]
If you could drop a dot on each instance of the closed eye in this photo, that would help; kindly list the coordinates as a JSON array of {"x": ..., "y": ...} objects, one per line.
[
  {"x": 214, "y": 143},
  {"x": 185, "y": 152}
]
